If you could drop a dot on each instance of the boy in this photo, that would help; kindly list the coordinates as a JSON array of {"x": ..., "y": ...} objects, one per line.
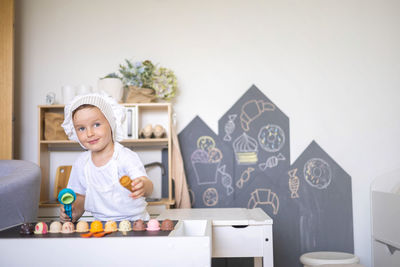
[{"x": 95, "y": 121}]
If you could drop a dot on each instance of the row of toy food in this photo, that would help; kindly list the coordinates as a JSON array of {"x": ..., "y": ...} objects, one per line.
[
  {"x": 42, "y": 228},
  {"x": 96, "y": 226}
]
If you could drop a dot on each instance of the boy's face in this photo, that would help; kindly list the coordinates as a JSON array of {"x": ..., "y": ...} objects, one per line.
[{"x": 92, "y": 129}]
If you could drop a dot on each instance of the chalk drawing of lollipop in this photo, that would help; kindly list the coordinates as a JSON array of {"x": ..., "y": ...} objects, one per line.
[{"x": 205, "y": 165}]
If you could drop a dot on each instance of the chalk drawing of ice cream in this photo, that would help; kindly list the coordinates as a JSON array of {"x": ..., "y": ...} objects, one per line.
[
  {"x": 205, "y": 165},
  {"x": 264, "y": 196},
  {"x": 252, "y": 109},
  {"x": 271, "y": 162},
  {"x": 229, "y": 127},
  {"x": 245, "y": 148}
]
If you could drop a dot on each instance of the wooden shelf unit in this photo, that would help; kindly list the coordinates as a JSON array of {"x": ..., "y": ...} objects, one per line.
[{"x": 142, "y": 110}]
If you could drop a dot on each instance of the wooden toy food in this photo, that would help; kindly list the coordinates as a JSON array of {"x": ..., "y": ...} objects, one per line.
[{"x": 126, "y": 182}]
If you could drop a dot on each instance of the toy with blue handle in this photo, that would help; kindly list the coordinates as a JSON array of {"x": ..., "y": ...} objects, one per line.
[{"x": 67, "y": 197}]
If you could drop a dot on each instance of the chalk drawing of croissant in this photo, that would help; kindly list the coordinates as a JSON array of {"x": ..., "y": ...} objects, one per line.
[
  {"x": 251, "y": 110},
  {"x": 264, "y": 196}
]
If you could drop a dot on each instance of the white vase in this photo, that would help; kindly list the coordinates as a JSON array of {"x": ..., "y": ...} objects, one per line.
[
  {"x": 111, "y": 86},
  {"x": 68, "y": 93}
]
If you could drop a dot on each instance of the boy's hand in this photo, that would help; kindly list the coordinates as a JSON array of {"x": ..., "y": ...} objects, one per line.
[
  {"x": 141, "y": 187},
  {"x": 137, "y": 188},
  {"x": 77, "y": 210},
  {"x": 63, "y": 216}
]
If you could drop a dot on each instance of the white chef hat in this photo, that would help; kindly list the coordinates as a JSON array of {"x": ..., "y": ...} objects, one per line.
[{"x": 114, "y": 113}]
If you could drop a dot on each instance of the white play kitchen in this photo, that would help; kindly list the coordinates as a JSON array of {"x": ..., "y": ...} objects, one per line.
[{"x": 199, "y": 235}]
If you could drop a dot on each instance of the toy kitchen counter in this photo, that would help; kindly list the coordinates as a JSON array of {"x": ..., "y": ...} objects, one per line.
[
  {"x": 236, "y": 232},
  {"x": 188, "y": 244},
  {"x": 198, "y": 235}
]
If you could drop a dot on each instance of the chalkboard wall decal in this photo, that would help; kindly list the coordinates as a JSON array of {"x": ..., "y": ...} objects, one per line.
[
  {"x": 248, "y": 165},
  {"x": 322, "y": 213}
]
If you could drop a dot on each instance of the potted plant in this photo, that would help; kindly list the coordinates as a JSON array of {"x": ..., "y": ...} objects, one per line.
[
  {"x": 146, "y": 82},
  {"x": 112, "y": 85}
]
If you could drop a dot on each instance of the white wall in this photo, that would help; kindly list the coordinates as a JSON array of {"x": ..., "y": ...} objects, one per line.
[{"x": 331, "y": 66}]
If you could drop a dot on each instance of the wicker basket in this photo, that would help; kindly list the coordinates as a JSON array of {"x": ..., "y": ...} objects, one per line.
[
  {"x": 140, "y": 95},
  {"x": 52, "y": 126}
]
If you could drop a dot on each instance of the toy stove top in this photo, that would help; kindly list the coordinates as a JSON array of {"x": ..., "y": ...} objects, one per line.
[{"x": 13, "y": 232}]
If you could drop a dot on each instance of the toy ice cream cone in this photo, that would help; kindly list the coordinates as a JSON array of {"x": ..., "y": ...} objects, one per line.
[
  {"x": 67, "y": 197},
  {"x": 126, "y": 182}
]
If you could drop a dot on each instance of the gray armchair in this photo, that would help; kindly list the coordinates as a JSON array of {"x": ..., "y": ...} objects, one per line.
[{"x": 19, "y": 192}]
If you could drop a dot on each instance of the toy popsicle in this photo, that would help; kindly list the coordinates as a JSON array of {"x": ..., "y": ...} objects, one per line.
[
  {"x": 126, "y": 182},
  {"x": 67, "y": 197}
]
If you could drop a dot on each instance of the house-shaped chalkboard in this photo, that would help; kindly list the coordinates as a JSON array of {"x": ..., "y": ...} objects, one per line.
[
  {"x": 208, "y": 166},
  {"x": 248, "y": 165}
]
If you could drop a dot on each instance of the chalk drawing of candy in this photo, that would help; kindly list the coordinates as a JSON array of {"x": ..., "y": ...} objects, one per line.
[
  {"x": 229, "y": 127},
  {"x": 294, "y": 183}
]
